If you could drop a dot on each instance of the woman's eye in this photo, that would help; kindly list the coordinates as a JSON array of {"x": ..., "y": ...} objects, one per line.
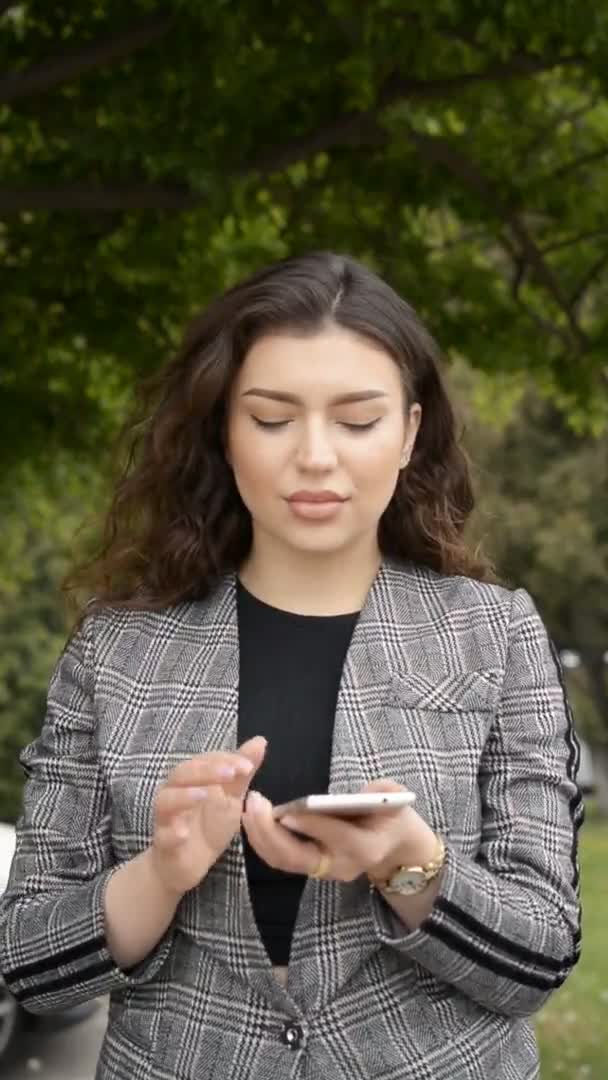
[
  {"x": 360, "y": 427},
  {"x": 269, "y": 424}
]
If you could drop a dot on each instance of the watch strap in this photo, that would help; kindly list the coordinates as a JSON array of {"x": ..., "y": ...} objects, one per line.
[{"x": 430, "y": 869}]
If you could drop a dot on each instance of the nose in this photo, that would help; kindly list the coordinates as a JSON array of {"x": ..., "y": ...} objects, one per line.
[{"x": 316, "y": 451}]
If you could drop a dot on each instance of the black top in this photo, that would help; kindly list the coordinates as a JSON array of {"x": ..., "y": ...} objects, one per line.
[{"x": 290, "y": 669}]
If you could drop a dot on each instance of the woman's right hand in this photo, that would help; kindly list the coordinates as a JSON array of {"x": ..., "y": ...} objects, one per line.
[{"x": 197, "y": 811}]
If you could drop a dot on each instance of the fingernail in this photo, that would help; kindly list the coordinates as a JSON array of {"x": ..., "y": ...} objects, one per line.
[
  {"x": 289, "y": 821},
  {"x": 197, "y": 793},
  {"x": 254, "y": 802},
  {"x": 226, "y": 772}
]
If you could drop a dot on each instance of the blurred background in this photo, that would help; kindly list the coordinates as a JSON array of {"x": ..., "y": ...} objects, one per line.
[{"x": 152, "y": 153}]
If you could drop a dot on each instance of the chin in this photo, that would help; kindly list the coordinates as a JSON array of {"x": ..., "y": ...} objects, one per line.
[
  {"x": 327, "y": 543},
  {"x": 318, "y": 548}
]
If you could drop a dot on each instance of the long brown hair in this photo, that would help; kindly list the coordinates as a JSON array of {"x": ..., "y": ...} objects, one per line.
[{"x": 176, "y": 522}]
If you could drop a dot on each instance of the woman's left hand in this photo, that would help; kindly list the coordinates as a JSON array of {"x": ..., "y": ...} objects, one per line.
[{"x": 372, "y": 843}]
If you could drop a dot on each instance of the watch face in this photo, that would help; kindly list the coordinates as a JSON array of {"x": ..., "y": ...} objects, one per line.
[{"x": 408, "y": 882}]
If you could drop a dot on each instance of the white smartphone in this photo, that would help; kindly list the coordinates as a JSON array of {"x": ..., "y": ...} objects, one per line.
[{"x": 355, "y": 805}]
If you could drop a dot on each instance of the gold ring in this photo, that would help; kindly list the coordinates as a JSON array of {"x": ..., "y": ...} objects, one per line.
[{"x": 323, "y": 867}]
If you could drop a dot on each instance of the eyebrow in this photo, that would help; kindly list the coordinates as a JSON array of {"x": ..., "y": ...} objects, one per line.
[{"x": 293, "y": 399}]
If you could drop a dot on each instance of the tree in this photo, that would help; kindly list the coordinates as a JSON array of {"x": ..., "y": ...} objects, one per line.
[
  {"x": 41, "y": 517},
  {"x": 152, "y": 152}
]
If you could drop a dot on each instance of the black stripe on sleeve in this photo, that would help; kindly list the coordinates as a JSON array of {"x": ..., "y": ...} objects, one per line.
[
  {"x": 79, "y": 978},
  {"x": 512, "y": 948},
  {"x": 51, "y": 963},
  {"x": 492, "y": 963}
]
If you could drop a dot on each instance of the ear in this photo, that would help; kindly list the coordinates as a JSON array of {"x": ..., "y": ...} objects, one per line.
[{"x": 412, "y": 427}]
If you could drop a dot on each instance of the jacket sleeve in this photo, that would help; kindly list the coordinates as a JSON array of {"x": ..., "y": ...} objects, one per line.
[
  {"x": 53, "y": 949},
  {"x": 505, "y": 927}
]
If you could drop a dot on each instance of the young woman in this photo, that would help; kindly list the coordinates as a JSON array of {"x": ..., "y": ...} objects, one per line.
[{"x": 284, "y": 605}]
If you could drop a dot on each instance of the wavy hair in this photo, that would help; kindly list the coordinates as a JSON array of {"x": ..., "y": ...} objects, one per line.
[{"x": 176, "y": 522}]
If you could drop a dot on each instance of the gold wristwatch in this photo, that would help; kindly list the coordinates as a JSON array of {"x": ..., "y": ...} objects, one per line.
[{"x": 412, "y": 880}]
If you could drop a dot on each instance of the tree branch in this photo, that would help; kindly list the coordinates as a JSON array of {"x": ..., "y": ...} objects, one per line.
[
  {"x": 357, "y": 129},
  {"x": 592, "y": 274},
  {"x": 593, "y": 234},
  {"x": 63, "y": 68},
  {"x": 347, "y": 129},
  {"x": 518, "y": 67},
  {"x": 545, "y": 325},
  {"x": 575, "y": 163},
  {"x": 519, "y": 273},
  {"x": 439, "y": 150},
  {"x": 83, "y": 197}
]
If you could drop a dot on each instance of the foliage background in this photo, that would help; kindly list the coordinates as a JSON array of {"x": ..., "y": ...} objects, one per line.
[{"x": 153, "y": 153}]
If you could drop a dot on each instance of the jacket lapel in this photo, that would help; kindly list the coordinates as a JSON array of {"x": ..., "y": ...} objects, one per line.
[
  {"x": 218, "y": 914},
  {"x": 334, "y": 932}
]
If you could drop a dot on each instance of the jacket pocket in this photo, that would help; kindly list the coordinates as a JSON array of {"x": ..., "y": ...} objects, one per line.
[{"x": 470, "y": 691}]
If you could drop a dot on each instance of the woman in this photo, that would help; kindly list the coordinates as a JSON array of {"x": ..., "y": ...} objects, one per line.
[{"x": 284, "y": 604}]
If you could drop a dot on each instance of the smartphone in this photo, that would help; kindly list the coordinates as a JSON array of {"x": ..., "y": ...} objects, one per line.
[{"x": 355, "y": 805}]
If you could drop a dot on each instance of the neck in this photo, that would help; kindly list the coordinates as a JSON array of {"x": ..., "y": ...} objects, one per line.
[{"x": 310, "y": 583}]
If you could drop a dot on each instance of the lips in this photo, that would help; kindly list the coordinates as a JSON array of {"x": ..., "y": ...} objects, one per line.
[{"x": 316, "y": 497}]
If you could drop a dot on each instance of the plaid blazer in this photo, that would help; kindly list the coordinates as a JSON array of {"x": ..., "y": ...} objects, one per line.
[{"x": 449, "y": 686}]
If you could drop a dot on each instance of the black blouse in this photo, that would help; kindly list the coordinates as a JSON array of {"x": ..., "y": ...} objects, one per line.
[{"x": 290, "y": 669}]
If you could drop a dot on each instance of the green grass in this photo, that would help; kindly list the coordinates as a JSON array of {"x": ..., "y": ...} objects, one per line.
[{"x": 573, "y": 1027}]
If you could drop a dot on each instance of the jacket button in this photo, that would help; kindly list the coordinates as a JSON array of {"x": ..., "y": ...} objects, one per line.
[{"x": 292, "y": 1035}]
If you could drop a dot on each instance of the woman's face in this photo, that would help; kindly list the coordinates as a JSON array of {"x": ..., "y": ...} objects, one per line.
[{"x": 317, "y": 433}]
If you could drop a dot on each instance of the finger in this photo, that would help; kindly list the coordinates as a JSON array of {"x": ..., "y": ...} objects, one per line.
[
  {"x": 254, "y": 749},
  {"x": 330, "y": 832},
  {"x": 174, "y": 800},
  {"x": 353, "y": 845},
  {"x": 273, "y": 843},
  {"x": 212, "y": 768},
  {"x": 293, "y": 857}
]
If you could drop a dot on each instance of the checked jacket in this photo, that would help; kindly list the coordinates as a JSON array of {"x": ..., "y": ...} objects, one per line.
[{"x": 449, "y": 686}]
